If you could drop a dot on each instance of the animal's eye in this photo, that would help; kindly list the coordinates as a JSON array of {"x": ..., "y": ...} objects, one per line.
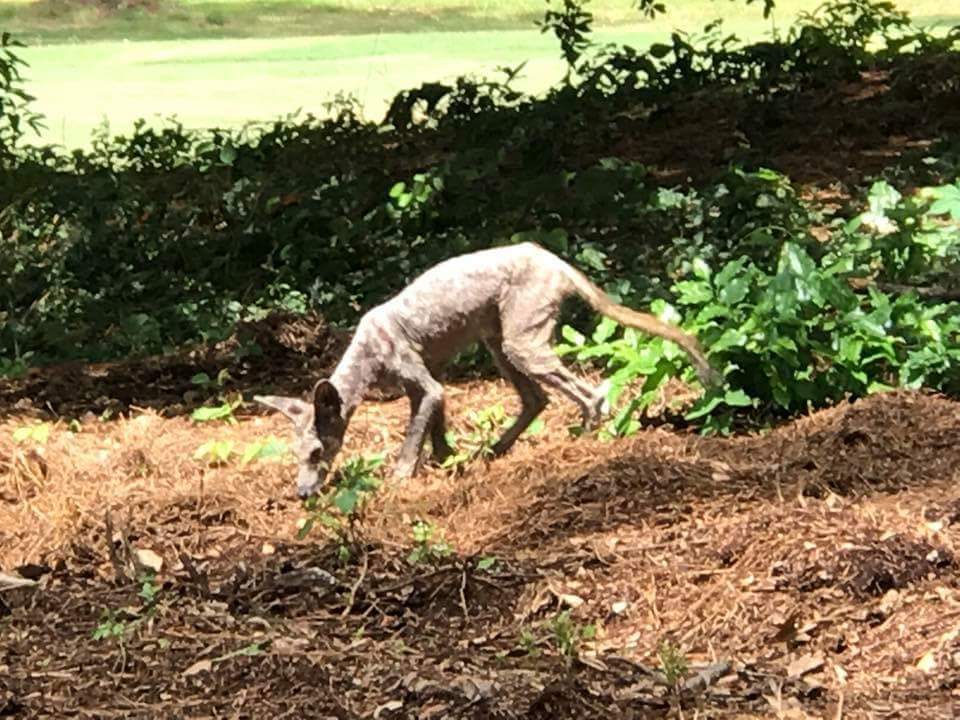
[{"x": 316, "y": 456}]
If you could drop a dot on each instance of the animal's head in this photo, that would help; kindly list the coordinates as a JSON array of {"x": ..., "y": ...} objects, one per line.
[{"x": 318, "y": 429}]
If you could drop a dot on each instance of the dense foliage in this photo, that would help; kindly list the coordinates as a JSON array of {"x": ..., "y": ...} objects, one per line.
[{"x": 170, "y": 236}]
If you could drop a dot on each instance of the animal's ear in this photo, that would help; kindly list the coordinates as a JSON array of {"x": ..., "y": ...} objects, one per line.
[
  {"x": 326, "y": 402},
  {"x": 295, "y": 409}
]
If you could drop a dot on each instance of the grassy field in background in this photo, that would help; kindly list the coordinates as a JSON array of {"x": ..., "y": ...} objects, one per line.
[
  {"x": 59, "y": 21},
  {"x": 47, "y": 21},
  {"x": 250, "y": 67}
]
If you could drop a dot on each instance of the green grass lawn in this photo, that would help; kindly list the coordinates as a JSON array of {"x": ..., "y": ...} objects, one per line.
[
  {"x": 49, "y": 21},
  {"x": 250, "y": 66}
]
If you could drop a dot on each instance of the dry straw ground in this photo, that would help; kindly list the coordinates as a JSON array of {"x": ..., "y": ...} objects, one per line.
[{"x": 806, "y": 573}]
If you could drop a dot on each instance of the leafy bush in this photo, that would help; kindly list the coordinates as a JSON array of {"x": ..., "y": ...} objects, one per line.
[{"x": 798, "y": 335}]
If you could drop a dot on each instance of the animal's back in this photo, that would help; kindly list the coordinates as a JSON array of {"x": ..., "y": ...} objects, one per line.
[{"x": 457, "y": 301}]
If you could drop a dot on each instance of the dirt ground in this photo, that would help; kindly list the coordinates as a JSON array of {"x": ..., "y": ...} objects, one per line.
[{"x": 809, "y": 572}]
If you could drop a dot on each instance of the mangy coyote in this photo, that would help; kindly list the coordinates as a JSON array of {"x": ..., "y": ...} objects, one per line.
[{"x": 506, "y": 297}]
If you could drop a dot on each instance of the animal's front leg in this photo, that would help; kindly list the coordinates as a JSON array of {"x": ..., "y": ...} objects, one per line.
[
  {"x": 425, "y": 402},
  {"x": 438, "y": 436}
]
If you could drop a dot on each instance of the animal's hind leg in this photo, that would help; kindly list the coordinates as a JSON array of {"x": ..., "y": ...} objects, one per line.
[
  {"x": 527, "y": 323},
  {"x": 547, "y": 369},
  {"x": 532, "y": 398}
]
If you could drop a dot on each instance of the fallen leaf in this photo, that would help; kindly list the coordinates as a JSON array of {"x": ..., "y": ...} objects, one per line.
[
  {"x": 619, "y": 607},
  {"x": 571, "y": 601},
  {"x": 928, "y": 663},
  {"x": 198, "y": 667},
  {"x": 387, "y": 707},
  {"x": 841, "y": 674},
  {"x": 149, "y": 559},
  {"x": 803, "y": 665}
]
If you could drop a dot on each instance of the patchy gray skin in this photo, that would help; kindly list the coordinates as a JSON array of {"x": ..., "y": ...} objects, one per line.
[{"x": 507, "y": 298}]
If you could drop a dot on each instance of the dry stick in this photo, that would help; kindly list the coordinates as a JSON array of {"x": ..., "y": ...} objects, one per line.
[
  {"x": 356, "y": 585},
  {"x": 463, "y": 594},
  {"x": 118, "y": 565}
]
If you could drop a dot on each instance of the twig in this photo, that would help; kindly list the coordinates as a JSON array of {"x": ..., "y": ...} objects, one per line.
[
  {"x": 115, "y": 560},
  {"x": 199, "y": 579},
  {"x": 356, "y": 586},
  {"x": 706, "y": 677},
  {"x": 463, "y": 593},
  {"x": 11, "y": 582},
  {"x": 409, "y": 581}
]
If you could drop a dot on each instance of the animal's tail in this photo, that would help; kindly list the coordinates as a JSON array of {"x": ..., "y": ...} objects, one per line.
[{"x": 645, "y": 322}]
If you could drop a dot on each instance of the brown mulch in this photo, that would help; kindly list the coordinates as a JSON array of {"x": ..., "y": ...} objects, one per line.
[
  {"x": 283, "y": 353},
  {"x": 807, "y": 572}
]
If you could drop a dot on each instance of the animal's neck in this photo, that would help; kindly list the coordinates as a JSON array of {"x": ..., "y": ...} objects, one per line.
[{"x": 351, "y": 378}]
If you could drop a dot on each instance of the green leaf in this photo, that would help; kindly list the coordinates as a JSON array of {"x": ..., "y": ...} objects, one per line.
[
  {"x": 704, "y": 406},
  {"x": 734, "y": 291},
  {"x": 572, "y": 336},
  {"x": 731, "y": 270},
  {"x": 693, "y": 292},
  {"x": 659, "y": 50},
  {"x": 593, "y": 258},
  {"x": 605, "y": 330},
  {"x": 700, "y": 269},
  {"x": 205, "y": 414},
  {"x": 738, "y": 398},
  {"x": 306, "y": 527},
  {"x": 346, "y": 500},
  {"x": 228, "y": 154}
]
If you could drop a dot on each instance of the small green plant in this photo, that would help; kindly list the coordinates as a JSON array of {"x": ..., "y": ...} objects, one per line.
[
  {"x": 37, "y": 433},
  {"x": 486, "y": 426},
  {"x": 148, "y": 588},
  {"x": 223, "y": 411},
  {"x": 203, "y": 380},
  {"x": 340, "y": 509},
  {"x": 15, "y": 367},
  {"x": 110, "y": 628},
  {"x": 486, "y": 563},
  {"x": 673, "y": 663},
  {"x": 215, "y": 452},
  {"x": 565, "y": 635},
  {"x": 221, "y": 452},
  {"x": 429, "y": 544},
  {"x": 528, "y": 642},
  {"x": 267, "y": 449}
]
